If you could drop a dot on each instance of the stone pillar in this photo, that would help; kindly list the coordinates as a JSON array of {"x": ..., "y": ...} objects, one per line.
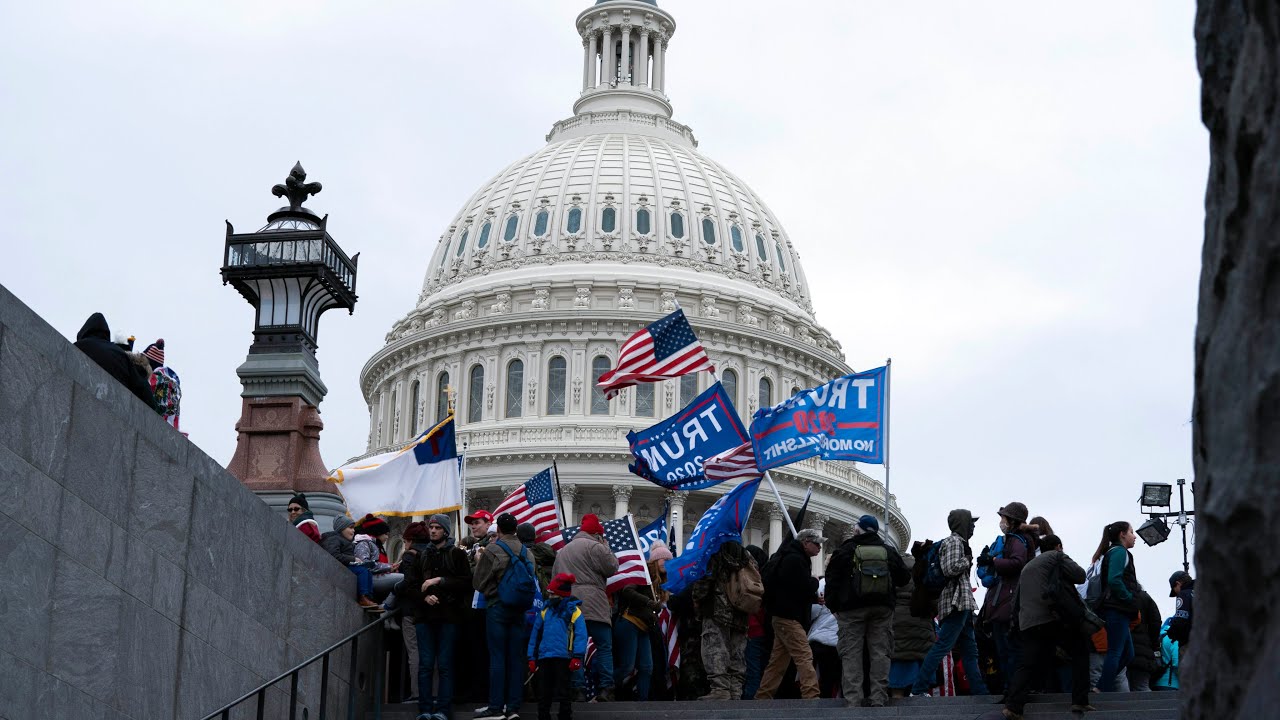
[
  {"x": 593, "y": 61},
  {"x": 625, "y": 70},
  {"x": 606, "y": 55},
  {"x": 586, "y": 63},
  {"x": 817, "y": 521},
  {"x": 642, "y": 62},
  {"x": 776, "y": 515},
  {"x": 660, "y": 62},
  {"x": 676, "y": 521},
  {"x": 621, "y": 500},
  {"x": 568, "y": 495}
]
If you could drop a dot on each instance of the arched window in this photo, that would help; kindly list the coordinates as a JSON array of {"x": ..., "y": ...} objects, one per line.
[
  {"x": 515, "y": 389},
  {"x": 557, "y": 377},
  {"x": 608, "y": 220},
  {"x": 442, "y": 396},
  {"x": 782, "y": 263},
  {"x": 644, "y": 400},
  {"x": 475, "y": 394},
  {"x": 483, "y": 240},
  {"x": 766, "y": 392},
  {"x": 688, "y": 388},
  {"x": 760, "y": 251},
  {"x": 599, "y": 403},
  {"x": 708, "y": 231},
  {"x": 574, "y": 224},
  {"x": 730, "y": 381},
  {"x": 677, "y": 225},
  {"x": 642, "y": 221},
  {"x": 509, "y": 232},
  {"x": 735, "y": 236},
  {"x": 413, "y": 408},
  {"x": 540, "y": 223},
  {"x": 462, "y": 244}
]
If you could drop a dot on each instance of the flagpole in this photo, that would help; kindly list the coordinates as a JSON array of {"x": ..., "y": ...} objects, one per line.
[
  {"x": 888, "y": 391},
  {"x": 555, "y": 473},
  {"x": 635, "y": 538},
  {"x": 462, "y": 487},
  {"x": 781, "y": 505}
]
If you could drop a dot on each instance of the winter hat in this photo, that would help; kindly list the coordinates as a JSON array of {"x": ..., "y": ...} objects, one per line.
[
  {"x": 155, "y": 352},
  {"x": 441, "y": 520},
  {"x": 591, "y": 524},
  {"x": 506, "y": 523},
  {"x": 342, "y": 522},
  {"x": 526, "y": 532},
  {"x": 562, "y": 584},
  {"x": 300, "y": 499},
  {"x": 869, "y": 523},
  {"x": 1015, "y": 511},
  {"x": 660, "y": 552},
  {"x": 961, "y": 522},
  {"x": 417, "y": 532},
  {"x": 373, "y": 526}
]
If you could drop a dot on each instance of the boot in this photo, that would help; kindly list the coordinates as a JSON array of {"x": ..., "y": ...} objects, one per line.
[
  {"x": 605, "y": 695},
  {"x": 367, "y": 603}
]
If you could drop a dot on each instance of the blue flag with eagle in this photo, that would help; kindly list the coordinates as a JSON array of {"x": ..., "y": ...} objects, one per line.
[
  {"x": 721, "y": 522},
  {"x": 420, "y": 478}
]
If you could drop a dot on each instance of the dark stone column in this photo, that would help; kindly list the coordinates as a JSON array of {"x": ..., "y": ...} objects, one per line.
[{"x": 1230, "y": 667}]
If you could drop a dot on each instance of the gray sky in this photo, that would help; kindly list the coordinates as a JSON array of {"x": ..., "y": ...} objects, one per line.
[{"x": 1005, "y": 197}]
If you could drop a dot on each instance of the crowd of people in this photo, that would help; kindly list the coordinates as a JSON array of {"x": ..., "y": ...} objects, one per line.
[
  {"x": 144, "y": 374},
  {"x": 496, "y": 617}
]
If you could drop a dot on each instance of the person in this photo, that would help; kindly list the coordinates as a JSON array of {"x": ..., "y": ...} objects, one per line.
[
  {"x": 301, "y": 517},
  {"x": 637, "y": 616},
  {"x": 372, "y": 534},
  {"x": 504, "y": 626},
  {"x": 407, "y": 596},
  {"x": 544, "y": 556},
  {"x": 789, "y": 591},
  {"x": 758, "y": 641},
  {"x": 823, "y": 642},
  {"x": 338, "y": 542},
  {"x": 724, "y": 627},
  {"x": 956, "y": 608},
  {"x": 557, "y": 645},
  {"x": 1119, "y": 604},
  {"x": 662, "y": 682},
  {"x": 94, "y": 340},
  {"x": 1167, "y": 680},
  {"x": 473, "y": 650},
  {"x": 588, "y": 558},
  {"x": 166, "y": 388},
  {"x": 1043, "y": 630},
  {"x": 438, "y": 575},
  {"x": 999, "y": 566},
  {"x": 912, "y": 638},
  {"x": 1146, "y": 644},
  {"x": 1183, "y": 587}
]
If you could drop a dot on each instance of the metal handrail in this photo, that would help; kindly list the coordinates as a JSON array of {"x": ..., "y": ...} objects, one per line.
[{"x": 260, "y": 692}]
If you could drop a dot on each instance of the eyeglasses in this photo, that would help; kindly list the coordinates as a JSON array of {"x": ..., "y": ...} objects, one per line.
[{"x": 294, "y": 509}]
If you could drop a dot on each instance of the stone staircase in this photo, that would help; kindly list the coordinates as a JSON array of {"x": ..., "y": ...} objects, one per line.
[{"x": 1126, "y": 706}]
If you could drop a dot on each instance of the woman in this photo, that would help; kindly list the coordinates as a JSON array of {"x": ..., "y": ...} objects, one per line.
[
  {"x": 1120, "y": 589},
  {"x": 372, "y": 534},
  {"x": 758, "y": 641},
  {"x": 638, "y": 607}
]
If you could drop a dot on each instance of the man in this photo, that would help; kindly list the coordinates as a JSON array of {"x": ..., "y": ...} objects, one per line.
[
  {"x": 724, "y": 627},
  {"x": 473, "y": 649},
  {"x": 504, "y": 626},
  {"x": 94, "y": 340},
  {"x": 999, "y": 567},
  {"x": 956, "y": 607},
  {"x": 861, "y": 578},
  {"x": 440, "y": 579},
  {"x": 588, "y": 558},
  {"x": 1182, "y": 587},
  {"x": 790, "y": 590}
]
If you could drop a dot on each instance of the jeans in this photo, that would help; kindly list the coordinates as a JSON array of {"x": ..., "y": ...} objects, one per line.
[
  {"x": 553, "y": 686},
  {"x": 757, "y": 647},
  {"x": 1039, "y": 656},
  {"x": 364, "y": 580},
  {"x": 1008, "y": 652},
  {"x": 435, "y": 652},
  {"x": 1119, "y": 649},
  {"x": 632, "y": 651},
  {"x": 955, "y": 632},
  {"x": 507, "y": 649},
  {"x": 601, "y": 633}
]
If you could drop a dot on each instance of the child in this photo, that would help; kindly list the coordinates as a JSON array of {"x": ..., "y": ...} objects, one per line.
[{"x": 556, "y": 645}]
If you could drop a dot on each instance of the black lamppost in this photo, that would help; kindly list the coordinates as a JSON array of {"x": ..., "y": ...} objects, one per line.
[{"x": 1155, "y": 530}]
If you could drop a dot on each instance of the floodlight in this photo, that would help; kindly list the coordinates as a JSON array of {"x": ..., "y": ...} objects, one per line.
[
  {"x": 1154, "y": 531},
  {"x": 1156, "y": 495}
]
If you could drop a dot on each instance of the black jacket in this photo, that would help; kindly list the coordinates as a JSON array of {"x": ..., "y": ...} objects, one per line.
[
  {"x": 841, "y": 590},
  {"x": 1184, "y": 613},
  {"x": 1146, "y": 636},
  {"x": 94, "y": 340},
  {"x": 453, "y": 592},
  {"x": 339, "y": 547},
  {"x": 790, "y": 589}
]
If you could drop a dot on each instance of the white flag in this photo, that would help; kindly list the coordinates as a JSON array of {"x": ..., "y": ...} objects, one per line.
[{"x": 419, "y": 479}]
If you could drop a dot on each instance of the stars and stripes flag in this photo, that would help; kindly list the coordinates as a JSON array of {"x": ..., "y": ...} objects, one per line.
[
  {"x": 670, "y": 638},
  {"x": 667, "y": 348},
  {"x": 739, "y": 462},
  {"x": 534, "y": 501},
  {"x": 622, "y": 539}
]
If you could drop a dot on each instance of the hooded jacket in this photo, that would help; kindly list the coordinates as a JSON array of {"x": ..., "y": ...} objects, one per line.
[
  {"x": 306, "y": 522},
  {"x": 367, "y": 551},
  {"x": 956, "y": 559},
  {"x": 841, "y": 587},
  {"x": 339, "y": 547},
  {"x": 912, "y": 636},
  {"x": 1007, "y": 563},
  {"x": 559, "y": 630},
  {"x": 1146, "y": 636},
  {"x": 446, "y": 561},
  {"x": 710, "y": 594},
  {"x": 94, "y": 340},
  {"x": 789, "y": 585},
  {"x": 588, "y": 558}
]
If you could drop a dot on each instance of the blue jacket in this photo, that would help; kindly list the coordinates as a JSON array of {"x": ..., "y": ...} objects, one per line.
[
  {"x": 559, "y": 630},
  {"x": 1169, "y": 654}
]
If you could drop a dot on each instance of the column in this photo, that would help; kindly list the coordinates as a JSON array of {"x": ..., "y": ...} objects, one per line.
[
  {"x": 626, "y": 57},
  {"x": 775, "y": 529},
  {"x": 586, "y": 62},
  {"x": 568, "y": 494},
  {"x": 642, "y": 62},
  {"x": 676, "y": 522},
  {"x": 470, "y": 501},
  {"x": 606, "y": 55},
  {"x": 593, "y": 61},
  {"x": 660, "y": 62},
  {"x": 817, "y": 521},
  {"x": 621, "y": 500}
]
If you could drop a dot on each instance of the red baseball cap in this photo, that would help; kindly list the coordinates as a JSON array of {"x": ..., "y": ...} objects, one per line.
[{"x": 478, "y": 515}]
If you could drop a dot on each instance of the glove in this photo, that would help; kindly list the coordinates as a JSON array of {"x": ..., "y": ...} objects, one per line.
[
  {"x": 575, "y": 664},
  {"x": 984, "y": 559},
  {"x": 533, "y": 666}
]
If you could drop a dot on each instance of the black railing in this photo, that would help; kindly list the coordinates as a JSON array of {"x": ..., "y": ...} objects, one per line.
[
  {"x": 289, "y": 249},
  {"x": 259, "y": 694}
]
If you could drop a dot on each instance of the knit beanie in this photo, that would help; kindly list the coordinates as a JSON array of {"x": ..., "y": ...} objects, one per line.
[
  {"x": 373, "y": 526},
  {"x": 527, "y": 533},
  {"x": 417, "y": 532},
  {"x": 155, "y": 352},
  {"x": 562, "y": 584},
  {"x": 591, "y": 524},
  {"x": 342, "y": 522},
  {"x": 441, "y": 520},
  {"x": 660, "y": 552},
  {"x": 300, "y": 499}
]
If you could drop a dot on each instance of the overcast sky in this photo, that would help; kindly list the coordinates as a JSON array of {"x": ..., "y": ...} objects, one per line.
[{"x": 1005, "y": 197}]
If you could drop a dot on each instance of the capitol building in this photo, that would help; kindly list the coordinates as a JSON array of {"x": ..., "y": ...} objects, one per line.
[{"x": 616, "y": 221}]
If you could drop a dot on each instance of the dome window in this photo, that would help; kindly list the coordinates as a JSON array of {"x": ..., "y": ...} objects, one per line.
[
  {"x": 557, "y": 378},
  {"x": 515, "y": 389},
  {"x": 509, "y": 232},
  {"x": 442, "y": 397},
  {"x": 574, "y": 224},
  {"x": 709, "y": 231},
  {"x": 483, "y": 240},
  {"x": 644, "y": 400},
  {"x": 766, "y": 393},
  {"x": 642, "y": 221},
  {"x": 729, "y": 379},
  {"x": 462, "y": 244},
  {"x": 475, "y": 394},
  {"x": 599, "y": 403},
  {"x": 540, "y": 223},
  {"x": 782, "y": 264},
  {"x": 735, "y": 236},
  {"x": 677, "y": 225},
  {"x": 608, "y": 220},
  {"x": 413, "y": 405},
  {"x": 760, "y": 251}
]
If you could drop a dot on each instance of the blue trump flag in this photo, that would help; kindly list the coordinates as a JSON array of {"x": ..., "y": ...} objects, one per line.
[
  {"x": 670, "y": 454},
  {"x": 841, "y": 420},
  {"x": 722, "y": 521},
  {"x": 655, "y": 533}
]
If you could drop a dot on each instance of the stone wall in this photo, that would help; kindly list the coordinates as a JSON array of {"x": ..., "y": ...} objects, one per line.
[
  {"x": 1231, "y": 667},
  {"x": 140, "y": 579}
]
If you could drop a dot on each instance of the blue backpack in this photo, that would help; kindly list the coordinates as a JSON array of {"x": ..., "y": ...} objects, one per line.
[
  {"x": 517, "y": 587},
  {"x": 933, "y": 577}
]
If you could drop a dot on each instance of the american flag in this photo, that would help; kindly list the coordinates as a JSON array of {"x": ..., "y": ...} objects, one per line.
[
  {"x": 739, "y": 462},
  {"x": 622, "y": 539},
  {"x": 665, "y": 349},
  {"x": 534, "y": 502},
  {"x": 670, "y": 638}
]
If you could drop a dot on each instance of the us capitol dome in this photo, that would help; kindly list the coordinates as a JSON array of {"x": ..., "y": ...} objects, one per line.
[{"x": 549, "y": 266}]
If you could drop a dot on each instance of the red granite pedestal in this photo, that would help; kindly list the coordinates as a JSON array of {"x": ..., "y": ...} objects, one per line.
[{"x": 278, "y": 446}]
